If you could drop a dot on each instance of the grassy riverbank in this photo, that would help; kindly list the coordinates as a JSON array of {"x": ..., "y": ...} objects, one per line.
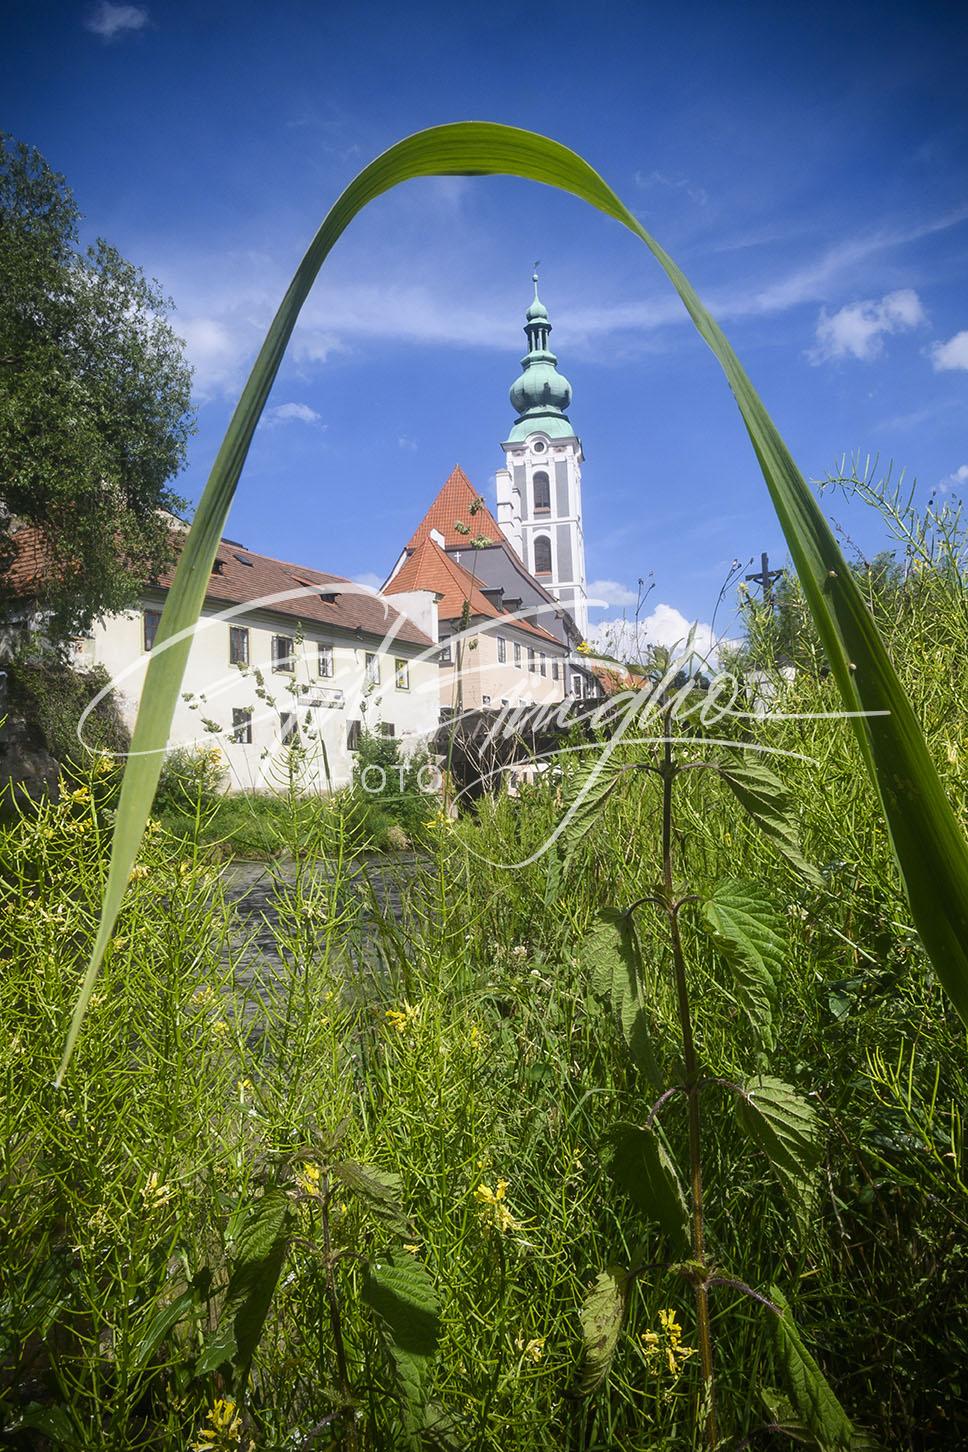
[{"x": 196, "y": 1173}]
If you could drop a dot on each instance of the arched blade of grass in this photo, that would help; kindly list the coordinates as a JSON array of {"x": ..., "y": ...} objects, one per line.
[{"x": 928, "y": 842}]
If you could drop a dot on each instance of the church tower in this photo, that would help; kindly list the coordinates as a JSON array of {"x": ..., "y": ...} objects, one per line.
[{"x": 539, "y": 489}]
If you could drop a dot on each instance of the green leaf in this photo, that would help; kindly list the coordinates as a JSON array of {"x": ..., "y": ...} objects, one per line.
[
  {"x": 748, "y": 932},
  {"x": 643, "y": 1168},
  {"x": 585, "y": 796},
  {"x": 766, "y": 800},
  {"x": 609, "y": 955},
  {"x": 602, "y": 1317},
  {"x": 260, "y": 1252},
  {"x": 399, "y": 1289},
  {"x": 810, "y": 1392},
  {"x": 928, "y": 841},
  {"x": 158, "y": 1327},
  {"x": 380, "y": 1188},
  {"x": 784, "y": 1126}
]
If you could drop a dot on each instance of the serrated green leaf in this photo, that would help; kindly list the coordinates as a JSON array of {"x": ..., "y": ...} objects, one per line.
[
  {"x": 748, "y": 932},
  {"x": 767, "y": 802},
  {"x": 400, "y": 1291},
  {"x": 381, "y": 1189},
  {"x": 586, "y": 794},
  {"x": 260, "y": 1252},
  {"x": 784, "y": 1126},
  {"x": 602, "y": 1318},
  {"x": 643, "y": 1168},
  {"x": 609, "y": 955},
  {"x": 811, "y": 1393},
  {"x": 927, "y": 838}
]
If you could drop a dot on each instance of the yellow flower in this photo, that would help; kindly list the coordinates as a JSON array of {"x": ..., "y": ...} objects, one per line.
[
  {"x": 138, "y": 872},
  {"x": 103, "y": 764},
  {"x": 203, "y": 996},
  {"x": 155, "y": 1195},
  {"x": 82, "y": 794},
  {"x": 308, "y": 1178},
  {"x": 584, "y": 648},
  {"x": 534, "y": 1349},
  {"x": 402, "y": 1018},
  {"x": 412, "y": 1249},
  {"x": 475, "y": 1037},
  {"x": 494, "y": 1206},
  {"x": 439, "y": 821},
  {"x": 220, "y": 1028},
  {"x": 223, "y": 1432},
  {"x": 667, "y": 1344}
]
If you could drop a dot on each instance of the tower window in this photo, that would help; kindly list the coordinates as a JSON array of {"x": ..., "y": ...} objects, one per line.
[
  {"x": 542, "y": 555},
  {"x": 542, "y": 493}
]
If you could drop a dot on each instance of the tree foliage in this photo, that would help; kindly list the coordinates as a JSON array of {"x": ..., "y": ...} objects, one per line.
[{"x": 94, "y": 401}]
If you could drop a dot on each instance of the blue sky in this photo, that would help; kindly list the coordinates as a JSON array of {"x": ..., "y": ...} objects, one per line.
[{"x": 806, "y": 165}]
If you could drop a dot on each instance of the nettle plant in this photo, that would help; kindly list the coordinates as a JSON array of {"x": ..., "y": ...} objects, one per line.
[{"x": 747, "y": 934}]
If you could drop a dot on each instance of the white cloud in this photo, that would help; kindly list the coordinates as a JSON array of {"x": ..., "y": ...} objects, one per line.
[
  {"x": 950, "y": 355},
  {"x": 406, "y": 442},
  {"x": 858, "y": 330},
  {"x": 214, "y": 351},
  {"x": 109, "y": 21},
  {"x": 666, "y": 626},
  {"x": 287, "y": 413},
  {"x": 647, "y": 180},
  {"x": 611, "y": 592},
  {"x": 953, "y": 480},
  {"x": 368, "y": 578}
]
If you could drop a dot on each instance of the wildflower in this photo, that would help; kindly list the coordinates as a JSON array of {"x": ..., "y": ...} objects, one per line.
[
  {"x": 138, "y": 872},
  {"x": 81, "y": 794},
  {"x": 475, "y": 1038},
  {"x": 439, "y": 821},
  {"x": 203, "y": 996},
  {"x": 412, "y": 1249},
  {"x": 584, "y": 648},
  {"x": 103, "y": 764},
  {"x": 667, "y": 1344},
  {"x": 155, "y": 1195},
  {"x": 99, "y": 1221},
  {"x": 494, "y": 1206},
  {"x": 152, "y": 826},
  {"x": 223, "y": 1429},
  {"x": 80, "y": 824},
  {"x": 519, "y": 951},
  {"x": 220, "y": 1028},
  {"x": 307, "y": 1179},
  {"x": 534, "y": 1349},
  {"x": 402, "y": 1018}
]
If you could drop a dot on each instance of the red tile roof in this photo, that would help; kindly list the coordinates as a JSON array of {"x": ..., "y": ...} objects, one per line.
[
  {"x": 453, "y": 506},
  {"x": 241, "y": 577},
  {"x": 431, "y": 568}
]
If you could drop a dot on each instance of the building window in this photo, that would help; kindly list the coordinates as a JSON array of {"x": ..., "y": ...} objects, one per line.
[
  {"x": 531, "y": 658},
  {"x": 444, "y": 655},
  {"x": 542, "y": 555},
  {"x": 485, "y": 700},
  {"x": 372, "y": 668},
  {"x": 354, "y": 730},
  {"x": 387, "y": 728},
  {"x": 287, "y": 727},
  {"x": 401, "y": 675},
  {"x": 502, "y": 650},
  {"x": 149, "y": 626},
  {"x": 242, "y": 725},
  {"x": 517, "y": 655},
  {"x": 543, "y": 667},
  {"x": 576, "y": 685},
  {"x": 542, "y": 493},
  {"x": 282, "y": 653},
  {"x": 324, "y": 659},
  {"x": 554, "y": 670},
  {"x": 238, "y": 645}
]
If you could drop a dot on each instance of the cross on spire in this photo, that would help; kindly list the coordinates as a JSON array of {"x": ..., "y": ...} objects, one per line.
[{"x": 765, "y": 577}]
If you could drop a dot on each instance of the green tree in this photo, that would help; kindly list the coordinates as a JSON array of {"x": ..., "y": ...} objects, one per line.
[{"x": 95, "y": 402}]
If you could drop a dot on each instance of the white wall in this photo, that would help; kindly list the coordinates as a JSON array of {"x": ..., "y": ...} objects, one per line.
[{"x": 212, "y": 688}]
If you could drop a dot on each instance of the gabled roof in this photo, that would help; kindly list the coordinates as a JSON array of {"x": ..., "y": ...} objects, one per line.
[
  {"x": 243, "y": 577},
  {"x": 431, "y": 568},
  {"x": 452, "y": 506}
]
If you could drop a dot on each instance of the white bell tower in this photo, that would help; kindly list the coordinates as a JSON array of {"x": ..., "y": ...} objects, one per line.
[{"x": 539, "y": 489}]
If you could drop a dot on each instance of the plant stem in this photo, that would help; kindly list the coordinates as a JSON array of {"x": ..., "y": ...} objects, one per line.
[
  {"x": 691, "y": 1087},
  {"x": 332, "y": 1298}
]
